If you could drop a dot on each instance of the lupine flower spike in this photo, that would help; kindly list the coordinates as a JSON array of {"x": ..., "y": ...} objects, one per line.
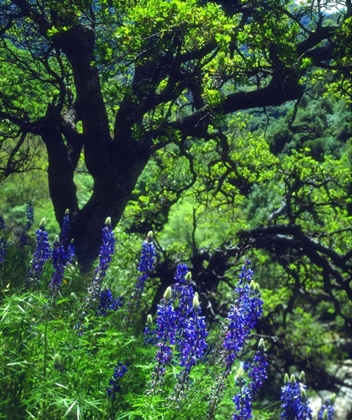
[
  {"x": 108, "y": 303},
  {"x": 256, "y": 371},
  {"x": 29, "y": 221},
  {"x": 193, "y": 346},
  {"x": 3, "y": 248},
  {"x": 183, "y": 292},
  {"x": 59, "y": 259},
  {"x": 65, "y": 230},
  {"x": 29, "y": 216},
  {"x": 242, "y": 318},
  {"x": 166, "y": 336},
  {"x": 146, "y": 265},
  {"x": 242, "y": 400},
  {"x": 114, "y": 383},
  {"x": 107, "y": 249},
  {"x": 41, "y": 254},
  {"x": 327, "y": 410},
  {"x": 294, "y": 401},
  {"x": 150, "y": 331}
]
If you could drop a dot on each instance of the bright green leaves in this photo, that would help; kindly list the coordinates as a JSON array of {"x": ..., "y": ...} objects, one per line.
[
  {"x": 318, "y": 194},
  {"x": 151, "y": 23}
]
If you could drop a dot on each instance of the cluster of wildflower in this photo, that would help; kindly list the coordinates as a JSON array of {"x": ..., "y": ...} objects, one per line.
[
  {"x": 59, "y": 259},
  {"x": 181, "y": 326},
  {"x": 107, "y": 249},
  {"x": 256, "y": 371},
  {"x": 294, "y": 401},
  {"x": 242, "y": 318},
  {"x": 327, "y": 411},
  {"x": 166, "y": 337},
  {"x": 146, "y": 265},
  {"x": 243, "y": 315},
  {"x": 3, "y": 243},
  {"x": 63, "y": 253},
  {"x": 107, "y": 303},
  {"x": 29, "y": 216},
  {"x": 41, "y": 254},
  {"x": 70, "y": 251},
  {"x": 23, "y": 240},
  {"x": 182, "y": 291},
  {"x": 114, "y": 388},
  {"x": 243, "y": 399},
  {"x": 65, "y": 229},
  {"x": 150, "y": 336},
  {"x": 193, "y": 345}
]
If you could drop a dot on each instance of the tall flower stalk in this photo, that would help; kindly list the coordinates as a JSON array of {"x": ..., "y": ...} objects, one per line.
[
  {"x": 166, "y": 338},
  {"x": 59, "y": 259},
  {"x": 114, "y": 384},
  {"x": 107, "y": 249},
  {"x": 146, "y": 265},
  {"x": 327, "y": 411},
  {"x": 242, "y": 318},
  {"x": 179, "y": 326},
  {"x": 29, "y": 221},
  {"x": 256, "y": 373},
  {"x": 294, "y": 401},
  {"x": 193, "y": 347},
  {"x": 41, "y": 254}
]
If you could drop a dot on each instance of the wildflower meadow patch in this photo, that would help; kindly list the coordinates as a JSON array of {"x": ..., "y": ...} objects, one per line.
[{"x": 83, "y": 355}]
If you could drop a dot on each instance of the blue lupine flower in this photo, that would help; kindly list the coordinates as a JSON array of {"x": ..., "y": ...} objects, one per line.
[
  {"x": 59, "y": 259},
  {"x": 243, "y": 404},
  {"x": 166, "y": 336},
  {"x": 107, "y": 249},
  {"x": 294, "y": 402},
  {"x": 146, "y": 265},
  {"x": 65, "y": 230},
  {"x": 150, "y": 331},
  {"x": 243, "y": 315},
  {"x": 41, "y": 253},
  {"x": 70, "y": 251},
  {"x": 256, "y": 369},
  {"x": 107, "y": 303},
  {"x": 193, "y": 345},
  {"x": 326, "y": 412},
  {"x": 181, "y": 272},
  {"x": 194, "y": 337},
  {"x": 3, "y": 248},
  {"x": 183, "y": 293},
  {"x": 29, "y": 216},
  {"x": 119, "y": 371},
  {"x": 23, "y": 240}
]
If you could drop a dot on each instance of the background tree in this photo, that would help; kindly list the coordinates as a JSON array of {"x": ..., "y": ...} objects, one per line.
[{"x": 118, "y": 81}]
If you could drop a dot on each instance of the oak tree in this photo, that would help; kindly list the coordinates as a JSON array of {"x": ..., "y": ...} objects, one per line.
[{"x": 117, "y": 81}]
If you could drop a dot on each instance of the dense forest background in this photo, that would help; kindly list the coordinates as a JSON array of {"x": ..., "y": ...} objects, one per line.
[{"x": 271, "y": 183}]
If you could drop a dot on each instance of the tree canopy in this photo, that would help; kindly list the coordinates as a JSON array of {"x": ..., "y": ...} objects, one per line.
[{"x": 116, "y": 82}]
